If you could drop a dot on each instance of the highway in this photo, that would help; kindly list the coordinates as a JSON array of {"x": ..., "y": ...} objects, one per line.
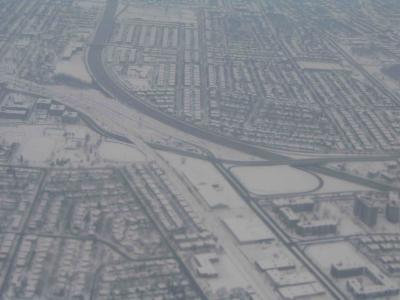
[
  {"x": 300, "y": 162},
  {"x": 282, "y": 235},
  {"x": 110, "y": 86}
]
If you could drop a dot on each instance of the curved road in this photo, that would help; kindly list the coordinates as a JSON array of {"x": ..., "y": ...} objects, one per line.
[
  {"x": 100, "y": 75},
  {"x": 102, "y": 78}
]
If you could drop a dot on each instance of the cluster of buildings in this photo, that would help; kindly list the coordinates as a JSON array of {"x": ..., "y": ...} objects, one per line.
[
  {"x": 107, "y": 197},
  {"x": 391, "y": 263},
  {"x": 20, "y": 107},
  {"x": 79, "y": 254},
  {"x": 167, "y": 55},
  {"x": 7, "y": 245},
  {"x": 41, "y": 33},
  {"x": 232, "y": 77},
  {"x": 151, "y": 279},
  {"x": 367, "y": 208},
  {"x": 253, "y": 89},
  {"x": 37, "y": 256},
  {"x": 105, "y": 225},
  {"x": 384, "y": 248},
  {"x": 389, "y": 173},
  {"x": 7, "y": 151},
  {"x": 48, "y": 107},
  {"x": 15, "y": 106},
  {"x": 28, "y": 267},
  {"x": 18, "y": 186},
  {"x": 171, "y": 208},
  {"x": 298, "y": 214},
  {"x": 293, "y": 285},
  {"x": 364, "y": 282}
]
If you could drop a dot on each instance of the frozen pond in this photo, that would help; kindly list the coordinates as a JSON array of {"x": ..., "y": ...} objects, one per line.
[{"x": 275, "y": 179}]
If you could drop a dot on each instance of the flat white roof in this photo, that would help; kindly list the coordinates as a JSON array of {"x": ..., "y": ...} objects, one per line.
[{"x": 248, "y": 230}]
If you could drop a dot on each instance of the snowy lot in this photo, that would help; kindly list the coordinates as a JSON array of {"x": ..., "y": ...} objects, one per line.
[
  {"x": 71, "y": 145},
  {"x": 74, "y": 67},
  {"x": 275, "y": 179}
]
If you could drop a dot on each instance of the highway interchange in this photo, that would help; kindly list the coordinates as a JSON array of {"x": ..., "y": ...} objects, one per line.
[
  {"x": 111, "y": 87},
  {"x": 119, "y": 127}
]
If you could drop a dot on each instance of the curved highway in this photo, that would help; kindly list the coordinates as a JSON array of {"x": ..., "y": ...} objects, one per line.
[
  {"x": 110, "y": 86},
  {"x": 102, "y": 78},
  {"x": 100, "y": 75}
]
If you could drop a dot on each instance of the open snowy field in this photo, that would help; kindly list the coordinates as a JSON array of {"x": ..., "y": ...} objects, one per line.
[
  {"x": 74, "y": 67},
  {"x": 73, "y": 145},
  {"x": 275, "y": 179}
]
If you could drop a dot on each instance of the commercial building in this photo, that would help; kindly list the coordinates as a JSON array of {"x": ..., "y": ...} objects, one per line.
[
  {"x": 247, "y": 231},
  {"x": 43, "y": 103},
  {"x": 361, "y": 291},
  {"x": 282, "y": 278},
  {"x": 305, "y": 226},
  {"x": 56, "y": 109},
  {"x": 288, "y": 216},
  {"x": 296, "y": 204},
  {"x": 71, "y": 117},
  {"x": 393, "y": 208},
  {"x": 345, "y": 270},
  {"x": 204, "y": 265},
  {"x": 377, "y": 285},
  {"x": 281, "y": 263},
  {"x": 316, "y": 227},
  {"x": 303, "y": 291},
  {"x": 366, "y": 209},
  {"x": 13, "y": 114},
  {"x": 15, "y": 107}
]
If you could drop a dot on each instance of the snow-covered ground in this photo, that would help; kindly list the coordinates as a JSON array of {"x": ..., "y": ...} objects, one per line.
[
  {"x": 74, "y": 67},
  {"x": 77, "y": 145},
  {"x": 114, "y": 151},
  {"x": 332, "y": 185},
  {"x": 275, "y": 179}
]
